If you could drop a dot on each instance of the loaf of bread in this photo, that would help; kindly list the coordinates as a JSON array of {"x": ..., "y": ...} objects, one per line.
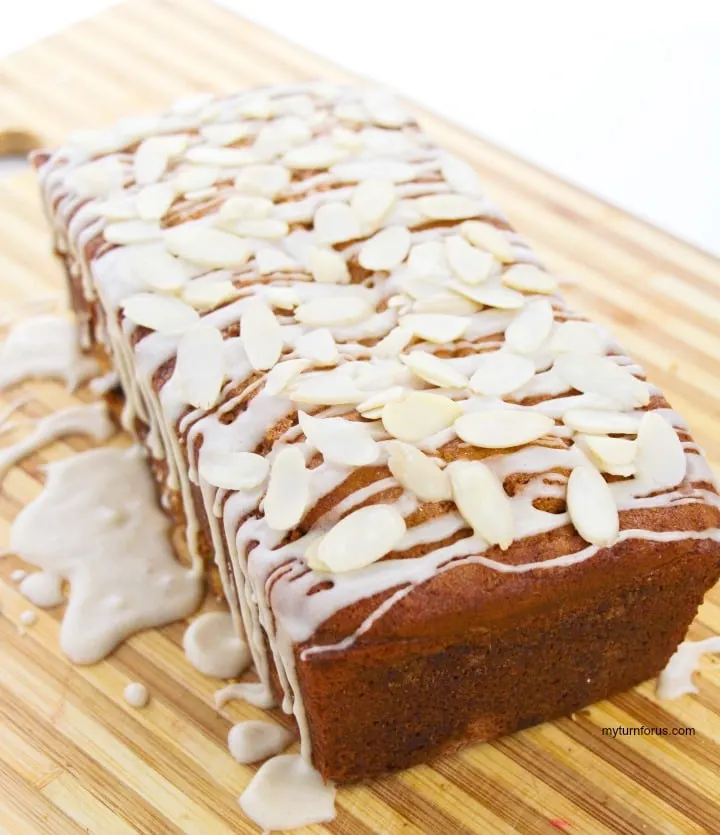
[{"x": 442, "y": 505}]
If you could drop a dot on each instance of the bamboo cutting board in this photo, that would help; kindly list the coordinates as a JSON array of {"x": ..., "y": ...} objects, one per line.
[{"x": 75, "y": 758}]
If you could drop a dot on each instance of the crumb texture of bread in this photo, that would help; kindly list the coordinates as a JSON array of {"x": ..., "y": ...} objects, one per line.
[{"x": 442, "y": 505}]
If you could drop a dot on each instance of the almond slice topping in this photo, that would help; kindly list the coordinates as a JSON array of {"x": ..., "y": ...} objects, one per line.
[
  {"x": 451, "y": 303},
  {"x": 225, "y": 133},
  {"x": 611, "y": 455},
  {"x": 488, "y": 237},
  {"x": 284, "y": 298},
  {"x": 503, "y": 428},
  {"x": 154, "y": 267},
  {"x": 117, "y": 208},
  {"x": 440, "y": 328},
  {"x": 529, "y": 279},
  {"x": 384, "y": 169},
  {"x": 318, "y": 346},
  {"x": 335, "y": 223},
  {"x": 164, "y": 314},
  {"x": 482, "y": 502},
  {"x": 419, "y": 415},
  {"x": 591, "y": 506},
  {"x": 460, "y": 175},
  {"x": 269, "y": 260},
  {"x": 196, "y": 178},
  {"x": 333, "y": 310},
  {"x": 222, "y": 157},
  {"x": 362, "y": 538},
  {"x": 206, "y": 246},
  {"x": 153, "y": 201},
  {"x": 372, "y": 201},
  {"x": 339, "y": 440},
  {"x": 376, "y": 401},
  {"x": 418, "y": 472},
  {"x": 469, "y": 264},
  {"x": 660, "y": 460},
  {"x": 288, "y": 490},
  {"x": 269, "y": 227},
  {"x": 98, "y": 178},
  {"x": 318, "y": 155},
  {"x": 600, "y": 422},
  {"x": 246, "y": 207},
  {"x": 233, "y": 470},
  {"x": 131, "y": 232},
  {"x": 327, "y": 266},
  {"x": 428, "y": 259},
  {"x": 263, "y": 180},
  {"x": 392, "y": 344},
  {"x": 386, "y": 249},
  {"x": 600, "y": 375},
  {"x": 261, "y": 335},
  {"x": 152, "y": 157},
  {"x": 492, "y": 295},
  {"x": 282, "y": 374},
  {"x": 205, "y": 295},
  {"x": 448, "y": 206},
  {"x": 200, "y": 365},
  {"x": 530, "y": 328},
  {"x": 583, "y": 337},
  {"x": 384, "y": 109},
  {"x": 434, "y": 370},
  {"x": 499, "y": 373},
  {"x": 326, "y": 389}
]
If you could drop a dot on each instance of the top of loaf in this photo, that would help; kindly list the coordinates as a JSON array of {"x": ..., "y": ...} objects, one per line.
[{"x": 374, "y": 376}]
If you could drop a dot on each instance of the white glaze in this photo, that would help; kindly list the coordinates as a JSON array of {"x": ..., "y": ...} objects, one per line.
[
  {"x": 43, "y": 588},
  {"x": 136, "y": 695},
  {"x": 213, "y": 646},
  {"x": 254, "y": 740},
  {"x": 676, "y": 679},
  {"x": 253, "y": 692},
  {"x": 97, "y": 526}
]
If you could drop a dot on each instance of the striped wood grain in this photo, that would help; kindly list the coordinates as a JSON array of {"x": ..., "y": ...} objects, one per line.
[{"x": 75, "y": 758}]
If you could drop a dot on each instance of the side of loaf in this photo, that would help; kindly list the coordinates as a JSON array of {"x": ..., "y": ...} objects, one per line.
[{"x": 442, "y": 506}]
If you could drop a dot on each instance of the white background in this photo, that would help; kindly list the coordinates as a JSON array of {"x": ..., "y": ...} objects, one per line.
[{"x": 622, "y": 98}]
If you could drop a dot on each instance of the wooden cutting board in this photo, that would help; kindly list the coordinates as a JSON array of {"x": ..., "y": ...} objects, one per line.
[{"x": 75, "y": 758}]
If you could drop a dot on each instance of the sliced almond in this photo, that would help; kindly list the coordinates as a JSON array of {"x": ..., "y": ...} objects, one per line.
[
  {"x": 492, "y": 295},
  {"x": 261, "y": 335},
  {"x": 428, "y": 259},
  {"x": 153, "y": 201},
  {"x": 154, "y": 267},
  {"x": 418, "y": 473},
  {"x": 282, "y": 374},
  {"x": 284, "y": 298},
  {"x": 482, "y": 502},
  {"x": 339, "y": 440},
  {"x": 221, "y": 157},
  {"x": 326, "y": 389},
  {"x": 599, "y": 422},
  {"x": 500, "y": 372},
  {"x": 246, "y": 207},
  {"x": 327, "y": 266},
  {"x": 96, "y": 179},
  {"x": 288, "y": 490},
  {"x": 206, "y": 246},
  {"x": 379, "y": 399},
  {"x": 381, "y": 169},
  {"x": 372, "y": 201},
  {"x": 116, "y": 208},
  {"x": 503, "y": 428},
  {"x": 311, "y": 553},
  {"x": 600, "y": 375},
  {"x": 317, "y": 155},
  {"x": 468, "y": 263},
  {"x": 191, "y": 104},
  {"x": 152, "y": 157},
  {"x": 232, "y": 470},
  {"x": 452, "y": 303},
  {"x": 195, "y": 178},
  {"x": 591, "y": 506},
  {"x": 448, "y": 206},
  {"x": 434, "y": 370},
  {"x": 336, "y": 222},
  {"x": 164, "y": 314},
  {"x": 530, "y": 327},
  {"x": 200, "y": 365},
  {"x": 269, "y": 260},
  {"x": 347, "y": 139},
  {"x": 205, "y": 295},
  {"x": 318, "y": 346},
  {"x": 488, "y": 237},
  {"x": 440, "y": 328},
  {"x": 661, "y": 460},
  {"x": 384, "y": 109},
  {"x": 131, "y": 232},
  {"x": 333, "y": 310},
  {"x": 460, "y": 175},
  {"x": 269, "y": 228},
  {"x": 263, "y": 180},
  {"x": 610, "y": 455},
  {"x": 225, "y": 133},
  {"x": 529, "y": 279},
  {"x": 419, "y": 415},
  {"x": 255, "y": 106},
  {"x": 361, "y": 538},
  {"x": 583, "y": 337},
  {"x": 386, "y": 249}
]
